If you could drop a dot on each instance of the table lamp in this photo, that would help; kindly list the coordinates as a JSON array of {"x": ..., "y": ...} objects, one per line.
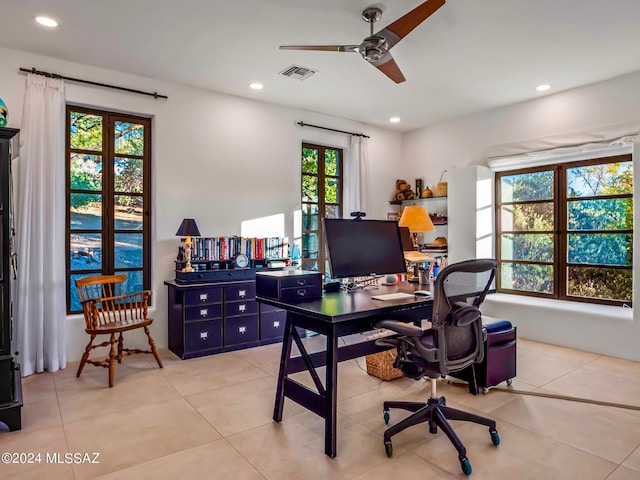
[
  {"x": 188, "y": 229},
  {"x": 417, "y": 219}
]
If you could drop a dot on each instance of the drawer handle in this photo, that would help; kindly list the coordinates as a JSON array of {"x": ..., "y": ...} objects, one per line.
[
  {"x": 242, "y": 330},
  {"x": 204, "y": 312},
  {"x": 301, "y": 292},
  {"x": 302, "y": 282},
  {"x": 242, "y": 308},
  {"x": 204, "y": 335},
  {"x": 204, "y": 297},
  {"x": 242, "y": 293}
]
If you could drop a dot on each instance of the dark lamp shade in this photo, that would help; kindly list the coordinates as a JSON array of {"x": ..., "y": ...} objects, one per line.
[{"x": 188, "y": 228}]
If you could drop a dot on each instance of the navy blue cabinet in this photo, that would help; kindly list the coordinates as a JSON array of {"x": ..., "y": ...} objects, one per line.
[{"x": 220, "y": 316}]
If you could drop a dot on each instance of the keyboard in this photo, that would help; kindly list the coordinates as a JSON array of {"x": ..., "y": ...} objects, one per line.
[{"x": 392, "y": 296}]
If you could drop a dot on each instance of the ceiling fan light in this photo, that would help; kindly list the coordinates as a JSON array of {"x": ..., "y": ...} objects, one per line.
[{"x": 372, "y": 54}]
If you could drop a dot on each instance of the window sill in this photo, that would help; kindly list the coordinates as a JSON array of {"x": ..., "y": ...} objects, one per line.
[{"x": 590, "y": 309}]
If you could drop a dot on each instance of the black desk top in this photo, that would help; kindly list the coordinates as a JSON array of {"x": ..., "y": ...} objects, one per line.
[{"x": 343, "y": 306}]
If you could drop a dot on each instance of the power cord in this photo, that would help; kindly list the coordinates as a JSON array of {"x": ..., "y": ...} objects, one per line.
[{"x": 559, "y": 397}]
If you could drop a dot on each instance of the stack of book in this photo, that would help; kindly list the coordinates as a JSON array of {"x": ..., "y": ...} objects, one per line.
[{"x": 225, "y": 248}]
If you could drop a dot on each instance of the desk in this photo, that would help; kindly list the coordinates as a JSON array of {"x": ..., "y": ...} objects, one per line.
[{"x": 335, "y": 315}]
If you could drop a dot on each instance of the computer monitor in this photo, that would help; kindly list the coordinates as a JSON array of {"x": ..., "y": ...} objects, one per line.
[{"x": 359, "y": 248}]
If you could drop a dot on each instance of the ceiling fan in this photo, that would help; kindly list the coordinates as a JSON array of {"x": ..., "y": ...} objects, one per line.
[{"x": 375, "y": 48}]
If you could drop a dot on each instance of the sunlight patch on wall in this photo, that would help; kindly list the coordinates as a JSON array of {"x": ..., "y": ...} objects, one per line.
[
  {"x": 484, "y": 218},
  {"x": 271, "y": 226}
]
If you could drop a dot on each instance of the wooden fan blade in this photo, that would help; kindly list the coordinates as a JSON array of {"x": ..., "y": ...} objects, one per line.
[
  {"x": 389, "y": 67},
  {"x": 405, "y": 24},
  {"x": 322, "y": 48}
]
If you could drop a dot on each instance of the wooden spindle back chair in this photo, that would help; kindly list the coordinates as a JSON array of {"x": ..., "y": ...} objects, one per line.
[{"x": 109, "y": 311}]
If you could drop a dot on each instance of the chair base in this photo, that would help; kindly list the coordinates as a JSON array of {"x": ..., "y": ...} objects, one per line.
[
  {"x": 437, "y": 414},
  {"x": 114, "y": 357}
]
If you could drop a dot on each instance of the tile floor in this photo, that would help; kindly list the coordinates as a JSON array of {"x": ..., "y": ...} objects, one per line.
[{"x": 210, "y": 418}]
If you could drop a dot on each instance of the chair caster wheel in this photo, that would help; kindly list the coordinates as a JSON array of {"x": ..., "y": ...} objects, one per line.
[
  {"x": 386, "y": 417},
  {"x": 495, "y": 438},
  {"x": 466, "y": 466},
  {"x": 389, "y": 448}
]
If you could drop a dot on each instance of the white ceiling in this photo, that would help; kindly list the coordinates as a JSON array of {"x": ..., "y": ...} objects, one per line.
[{"x": 470, "y": 56}]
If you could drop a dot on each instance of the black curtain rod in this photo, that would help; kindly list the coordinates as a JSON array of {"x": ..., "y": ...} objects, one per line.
[
  {"x": 55, "y": 75},
  {"x": 302, "y": 124}
]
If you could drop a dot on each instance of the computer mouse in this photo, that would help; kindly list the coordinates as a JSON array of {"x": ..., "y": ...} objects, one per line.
[{"x": 422, "y": 293}]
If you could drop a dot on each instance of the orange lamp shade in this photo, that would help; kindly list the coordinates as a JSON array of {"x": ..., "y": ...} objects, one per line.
[{"x": 416, "y": 218}]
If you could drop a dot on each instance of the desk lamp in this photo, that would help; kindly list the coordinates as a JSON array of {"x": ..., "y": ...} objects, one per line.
[
  {"x": 417, "y": 219},
  {"x": 188, "y": 229}
]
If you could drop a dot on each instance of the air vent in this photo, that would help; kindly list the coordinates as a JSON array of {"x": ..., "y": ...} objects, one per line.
[{"x": 298, "y": 73}]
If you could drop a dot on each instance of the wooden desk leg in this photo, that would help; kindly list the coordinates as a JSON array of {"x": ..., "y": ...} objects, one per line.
[
  {"x": 284, "y": 358},
  {"x": 331, "y": 399}
]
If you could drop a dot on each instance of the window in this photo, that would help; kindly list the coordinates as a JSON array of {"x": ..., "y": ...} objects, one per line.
[
  {"x": 566, "y": 231},
  {"x": 321, "y": 197},
  {"x": 108, "y": 198}
]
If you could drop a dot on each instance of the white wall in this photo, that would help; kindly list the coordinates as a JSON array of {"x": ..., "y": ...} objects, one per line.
[
  {"x": 223, "y": 159},
  {"x": 216, "y": 158},
  {"x": 463, "y": 142}
]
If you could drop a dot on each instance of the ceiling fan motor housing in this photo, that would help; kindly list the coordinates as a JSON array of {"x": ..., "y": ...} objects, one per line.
[{"x": 374, "y": 48}]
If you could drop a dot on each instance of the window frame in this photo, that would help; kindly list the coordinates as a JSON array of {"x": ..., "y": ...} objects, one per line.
[
  {"x": 321, "y": 203},
  {"x": 108, "y": 193},
  {"x": 561, "y": 231}
]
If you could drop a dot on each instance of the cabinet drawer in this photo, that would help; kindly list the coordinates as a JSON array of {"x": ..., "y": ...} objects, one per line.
[
  {"x": 264, "y": 308},
  {"x": 232, "y": 309},
  {"x": 289, "y": 285},
  {"x": 300, "y": 293},
  {"x": 202, "y": 335},
  {"x": 203, "y": 312},
  {"x": 241, "y": 329},
  {"x": 301, "y": 281},
  {"x": 272, "y": 324},
  {"x": 240, "y": 291},
  {"x": 202, "y": 296}
]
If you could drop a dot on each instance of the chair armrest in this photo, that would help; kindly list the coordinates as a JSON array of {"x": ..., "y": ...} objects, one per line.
[{"x": 402, "y": 328}]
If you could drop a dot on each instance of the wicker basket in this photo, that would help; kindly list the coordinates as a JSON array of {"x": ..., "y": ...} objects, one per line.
[
  {"x": 380, "y": 365},
  {"x": 441, "y": 188}
]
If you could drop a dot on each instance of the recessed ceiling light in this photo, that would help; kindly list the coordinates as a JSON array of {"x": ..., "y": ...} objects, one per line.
[
  {"x": 543, "y": 87},
  {"x": 394, "y": 119},
  {"x": 47, "y": 22},
  {"x": 256, "y": 86}
]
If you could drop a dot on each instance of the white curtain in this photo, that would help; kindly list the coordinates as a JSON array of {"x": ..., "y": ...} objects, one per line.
[
  {"x": 40, "y": 312},
  {"x": 356, "y": 191}
]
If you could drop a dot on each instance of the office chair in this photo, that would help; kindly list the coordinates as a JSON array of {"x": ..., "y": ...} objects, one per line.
[{"x": 454, "y": 341}]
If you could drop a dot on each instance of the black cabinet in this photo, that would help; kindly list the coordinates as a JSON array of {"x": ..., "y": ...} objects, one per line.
[
  {"x": 10, "y": 384},
  {"x": 220, "y": 316}
]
